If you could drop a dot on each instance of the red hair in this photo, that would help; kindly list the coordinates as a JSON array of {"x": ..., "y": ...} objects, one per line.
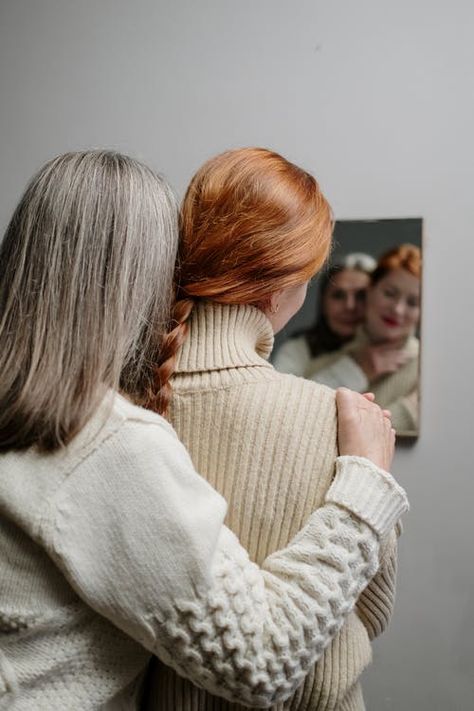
[
  {"x": 252, "y": 223},
  {"x": 406, "y": 256}
]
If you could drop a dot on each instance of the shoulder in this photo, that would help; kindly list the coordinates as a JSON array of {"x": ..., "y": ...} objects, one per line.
[
  {"x": 123, "y": 412},
  {"x": 127, "y": 424},
  {"x": 295, "y": 402},
  {"x": 300, "y": 418},
  {"x": 298, "y": 386},
  {"x": 130, "y": 438},
  {"x": 136, "y": 468},
  {"x": 120, "y": 443},
  {"x": 119, "y": 435}
]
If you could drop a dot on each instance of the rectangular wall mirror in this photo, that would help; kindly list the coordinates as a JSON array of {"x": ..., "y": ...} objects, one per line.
[{"x": 360, "y": 324}]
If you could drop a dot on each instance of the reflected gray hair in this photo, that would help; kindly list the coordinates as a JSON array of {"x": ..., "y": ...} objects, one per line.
[
  {"x": 359, "y": 261},
  {"x": 87, "y": 267}
]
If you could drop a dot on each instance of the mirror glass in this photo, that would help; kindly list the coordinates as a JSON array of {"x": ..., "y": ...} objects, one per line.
[{"x": 360, "y": 324}]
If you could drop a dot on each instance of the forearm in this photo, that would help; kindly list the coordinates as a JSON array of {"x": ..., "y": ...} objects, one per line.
[
  {"x": 256, "y": 633},
  {"x": 145, "y": 547}
]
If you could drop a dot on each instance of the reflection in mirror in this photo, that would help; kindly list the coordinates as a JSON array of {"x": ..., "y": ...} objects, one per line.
[{"x": 360, "y": 324}]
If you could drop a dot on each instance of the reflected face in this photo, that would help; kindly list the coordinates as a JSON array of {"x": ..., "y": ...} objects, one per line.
[
  {"x": 393, "y": 306},
  {"x": 344, "y": 302}
]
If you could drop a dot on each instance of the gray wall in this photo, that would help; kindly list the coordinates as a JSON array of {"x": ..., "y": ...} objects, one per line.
[{"x": 376, "y": 98}]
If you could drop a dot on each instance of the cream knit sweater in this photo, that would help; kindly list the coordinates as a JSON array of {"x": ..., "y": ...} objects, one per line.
[
  {"x": 114, "y": 549},
  {"x": 267, "y": 443}
]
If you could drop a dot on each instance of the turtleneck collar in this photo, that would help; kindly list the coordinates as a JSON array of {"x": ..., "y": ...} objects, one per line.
[{"x": 225, "y": 336}]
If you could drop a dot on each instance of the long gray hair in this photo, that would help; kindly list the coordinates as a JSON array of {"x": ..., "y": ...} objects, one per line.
[{"x": 86, "y": 285}]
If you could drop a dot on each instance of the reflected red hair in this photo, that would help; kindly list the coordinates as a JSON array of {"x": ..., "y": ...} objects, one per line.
[
  {"x": 406, "y": 256},
  {"x": 251, "y": 223}
]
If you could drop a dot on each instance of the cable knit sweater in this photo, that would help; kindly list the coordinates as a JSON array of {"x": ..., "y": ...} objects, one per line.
[
  {"x": 397, "y": 391},
  {"x": 267, "y": 442},
  {"x": 114, "y": 549}
]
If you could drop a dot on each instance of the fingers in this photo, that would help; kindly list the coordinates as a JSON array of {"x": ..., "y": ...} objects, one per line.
[
  {"x": 371, "y": 398},
  {"x": 348, "y": 401},
  {"x": 364, "y": 428},
  {"x": 346, "y": 398}
]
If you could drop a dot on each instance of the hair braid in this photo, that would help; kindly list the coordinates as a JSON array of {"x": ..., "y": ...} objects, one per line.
[
  {"x": 159, "y": 398},
  {"x": 251, "y": 223}
]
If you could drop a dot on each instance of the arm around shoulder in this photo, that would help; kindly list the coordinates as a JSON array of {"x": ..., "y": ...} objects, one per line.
[{"x": 140, "y": 536}]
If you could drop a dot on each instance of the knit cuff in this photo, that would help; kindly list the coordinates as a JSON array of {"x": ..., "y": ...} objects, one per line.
[{"x": 369, "y": 492}]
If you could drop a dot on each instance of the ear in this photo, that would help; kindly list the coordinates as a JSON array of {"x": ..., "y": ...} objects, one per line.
[{"x": 274, "y": 301}]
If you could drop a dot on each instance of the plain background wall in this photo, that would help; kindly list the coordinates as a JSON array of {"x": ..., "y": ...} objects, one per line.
[{"x": 374, "y": 97}]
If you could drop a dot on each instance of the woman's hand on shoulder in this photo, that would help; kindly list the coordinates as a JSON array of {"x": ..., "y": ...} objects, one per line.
[{"x": 364, "y": 429}]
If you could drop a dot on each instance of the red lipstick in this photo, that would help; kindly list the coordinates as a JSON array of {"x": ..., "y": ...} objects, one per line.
[{"x": 389, "y": 321}]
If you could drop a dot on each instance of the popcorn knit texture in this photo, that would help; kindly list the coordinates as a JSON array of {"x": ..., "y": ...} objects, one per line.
[{"x": 258, "y": 635}]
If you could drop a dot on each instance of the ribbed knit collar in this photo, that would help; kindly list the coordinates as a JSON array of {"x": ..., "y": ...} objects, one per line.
[{"x": 222, "y": 336}]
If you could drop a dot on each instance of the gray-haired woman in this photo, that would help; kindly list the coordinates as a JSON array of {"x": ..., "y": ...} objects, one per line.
[{"x": 112, "y": 548}]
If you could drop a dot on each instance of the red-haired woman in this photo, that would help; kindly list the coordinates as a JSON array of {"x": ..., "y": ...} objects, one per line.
[
  {"x": 384, "y": 355},
  {"x": 254, "y": 229}
]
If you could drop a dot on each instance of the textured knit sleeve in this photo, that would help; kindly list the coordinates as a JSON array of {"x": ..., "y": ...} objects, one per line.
[
  {"x": 375, "y": 605},
  {"x": 143, "y": 543}
]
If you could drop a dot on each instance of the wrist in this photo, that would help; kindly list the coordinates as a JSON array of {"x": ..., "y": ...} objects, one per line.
[{"x": 369, "y": 492}]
